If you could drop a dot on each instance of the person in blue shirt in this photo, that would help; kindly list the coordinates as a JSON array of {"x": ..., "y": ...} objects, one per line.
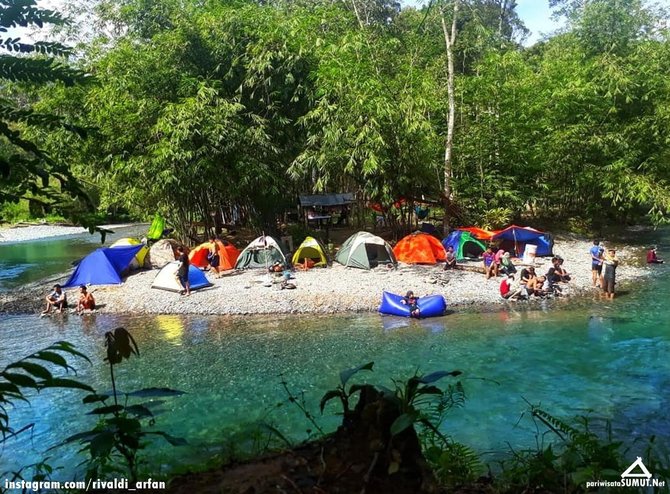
[{"x": 596, "y": 263}]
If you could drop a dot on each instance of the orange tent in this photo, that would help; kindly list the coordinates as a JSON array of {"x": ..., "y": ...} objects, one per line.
[
  {"x": 227, "y": 255},
  {"x": 420, "y": 248}
]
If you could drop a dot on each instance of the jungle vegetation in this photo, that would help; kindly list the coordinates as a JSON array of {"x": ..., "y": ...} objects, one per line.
[{"x": 190, "y": 108}]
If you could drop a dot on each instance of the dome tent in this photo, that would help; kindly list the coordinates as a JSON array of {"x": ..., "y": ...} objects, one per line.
[
  {"x": 261, "y": 253},
  {"x": 365, "y": 250},
  {"x": 311, "y": 248},
  {"x": 464, "y": 244},
  {"x": 228, "y": 255},
  {"x": 103, "y": 266},
  {"x": 514, "y": 239},
  {"x": 162, "y": 252},
  {"x": 138, "y": 261},
  {"x": 166, "y": 279},
  {"x": 419, "y": 248}
]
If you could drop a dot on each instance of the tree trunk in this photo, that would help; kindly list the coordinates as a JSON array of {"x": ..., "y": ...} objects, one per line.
[
  {"x": 501, "y": 21},
  {"x": 449, "y": 40}
]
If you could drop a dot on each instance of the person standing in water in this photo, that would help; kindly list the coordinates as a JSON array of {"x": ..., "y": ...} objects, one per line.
[
  {"x": 609, "y": 273},
  {"x": 596, "y": 263}
]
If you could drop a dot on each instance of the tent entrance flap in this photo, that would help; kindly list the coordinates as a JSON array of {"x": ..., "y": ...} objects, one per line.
[
  {"x": 377, "y": 255},
  {"x": 260, "y": 253},
  {"x": 364, "y": 250},
  {"x": 471, "y": 249}
]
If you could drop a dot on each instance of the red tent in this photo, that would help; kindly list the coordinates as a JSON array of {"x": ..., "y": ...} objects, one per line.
[{"x": 227, "y": 255}]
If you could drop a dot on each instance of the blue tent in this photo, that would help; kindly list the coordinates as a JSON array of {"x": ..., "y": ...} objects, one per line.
[
  {"x": 166, "y": 279},
  {"x": 103, "y": 266},
  {"x": 516, "y": 237}
]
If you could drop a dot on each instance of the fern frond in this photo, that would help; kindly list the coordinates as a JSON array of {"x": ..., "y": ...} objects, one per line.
[
  {"x": 558, "y": 426},
  {"x": 14, "y": 13},
  {"x": 37, "y": 70},
  {"x": 40, "y": 47}
]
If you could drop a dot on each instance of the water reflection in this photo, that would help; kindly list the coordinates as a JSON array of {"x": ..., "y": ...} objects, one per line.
[{"x": 172, "y": 327}]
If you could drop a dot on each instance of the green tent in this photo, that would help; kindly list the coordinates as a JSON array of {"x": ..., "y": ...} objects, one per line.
[
  {"x": 156, "y": 228},
  {"x": 464, "y": 244},
  {"x": 365, "y": 250},
  {"x": 261, "y": 253}
]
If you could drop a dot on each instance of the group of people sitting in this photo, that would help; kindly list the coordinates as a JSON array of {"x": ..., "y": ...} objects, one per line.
[
  {"x": 57, "y": 300},
  {"x": 530, "y": 284},
  {"x": 497, "y": 263}
]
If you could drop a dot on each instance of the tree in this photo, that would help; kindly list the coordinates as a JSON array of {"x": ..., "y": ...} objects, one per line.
[
  {"x": 26, "y": 171},
  {"x": 449, "y": 42},
  {"x": 371, "y": 125}
]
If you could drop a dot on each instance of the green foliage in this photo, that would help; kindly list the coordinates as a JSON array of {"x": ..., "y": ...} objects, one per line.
[
  {"x": 453, "y": 463},
  {"x": 237, "y": 108},
  {"x": 575, "y": 455},
  {"x": 17, "y": 379},
  {"x": 416, "y": 398},
  {"x": 13, "y": 212},
  {"x": 341, "y": 392},
  {"x": 26, "y": 170},
  {"x": 424, "y": 406},
  {"x": 32, "y": 372},
  {"x": 120, "y": 434}
]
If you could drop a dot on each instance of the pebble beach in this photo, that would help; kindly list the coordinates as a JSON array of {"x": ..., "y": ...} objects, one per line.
[
  {"x": 33, "y": 232},
  {"x": 331, "y": 290}
]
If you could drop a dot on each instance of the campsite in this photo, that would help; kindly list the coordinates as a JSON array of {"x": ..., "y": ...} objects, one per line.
[
  {"x": 334, "y": 247},
  {"x": 350, "y": 279}
]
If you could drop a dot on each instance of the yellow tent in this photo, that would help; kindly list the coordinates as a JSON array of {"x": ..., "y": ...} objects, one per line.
[
  {"x": 312, "y": 249},
  {"x": 138, "y": 262}
]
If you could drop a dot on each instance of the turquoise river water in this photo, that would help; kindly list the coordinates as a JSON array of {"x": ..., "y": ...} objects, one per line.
[
  {"x": 609, "y": 357},
  {"x": 26, "y": 262}
]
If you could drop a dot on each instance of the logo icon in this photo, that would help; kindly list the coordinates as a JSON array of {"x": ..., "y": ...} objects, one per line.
[{"x": 637, "y": 464}]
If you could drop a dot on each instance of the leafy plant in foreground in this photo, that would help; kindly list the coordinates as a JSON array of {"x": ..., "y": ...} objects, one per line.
[
  {"x": 26, "y": 170},
  {"x": 422, "y": 405},
  {"x": 341, "y": 391},
  {"x": 31, "y": 373},
  {"x": 119, "y": 434},
  {"x": 577, "y": 455}
]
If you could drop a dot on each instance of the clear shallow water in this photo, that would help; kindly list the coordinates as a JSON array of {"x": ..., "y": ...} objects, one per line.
[
  {"x": 26, "y": 262},
  {"x": 611, "y": 357}
]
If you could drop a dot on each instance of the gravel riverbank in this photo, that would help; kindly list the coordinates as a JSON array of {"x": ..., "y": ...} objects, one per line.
[
  {"x": 36, "y": 232},
  {"x": 23, "y": 233},
  {"x": 333, "y": 290}
]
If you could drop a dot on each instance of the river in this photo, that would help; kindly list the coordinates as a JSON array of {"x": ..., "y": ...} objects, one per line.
[{"x": 610, "y": 358}]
